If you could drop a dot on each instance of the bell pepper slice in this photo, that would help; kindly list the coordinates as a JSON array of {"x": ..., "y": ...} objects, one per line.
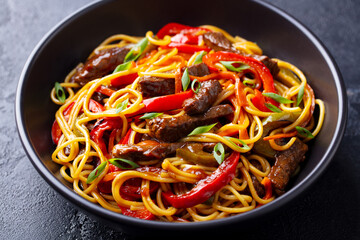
[
  {"x": 185, "y": 39},
  {"x": 104, "y": 90},
  {"x": 264, "y": 73},
  {"x": 187, "y": 48},
  {"x": 172, "y": 29},
  {"x": 142, "y": 213},
  {"x": 124, "y": 80},
  {"x": 205, "y": 188},
  {"x": 268, "y": 188}
]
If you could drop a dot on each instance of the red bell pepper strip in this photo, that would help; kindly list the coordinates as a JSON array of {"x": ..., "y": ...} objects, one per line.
[
  {"x": 259, "y": 101},
  {"x": 95, "y": 107},
  {"x": 164, "y": 103},
  {"x": 104, "y": 90},
  {"x": 124, "y": 80},
  {"x": 260, "y": 68},
  {"x": 125, "y": 139},
  {"x": 175, "y": 28},
  {"x": 187, "y": 48},
  {"x": 100, "y": 127},
  {"x": 55, "y": 129},
  {"x": 142, "y": 213},
  {"x": 207, "y": 187},
  {"x": 186, "y": 38}
]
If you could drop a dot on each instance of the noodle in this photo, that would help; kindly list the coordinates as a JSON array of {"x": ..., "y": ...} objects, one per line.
[{"x": 82, "y": 115}]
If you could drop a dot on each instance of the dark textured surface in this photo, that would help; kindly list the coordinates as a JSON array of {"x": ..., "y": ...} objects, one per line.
[{"x": 30, "y": 209}]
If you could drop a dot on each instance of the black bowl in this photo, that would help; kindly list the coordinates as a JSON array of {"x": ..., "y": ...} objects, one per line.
[{"x": 73, "y": 39}]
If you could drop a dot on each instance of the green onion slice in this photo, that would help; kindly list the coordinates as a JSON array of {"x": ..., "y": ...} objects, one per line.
[
  {"x": 119, "y": 162},
  {"x": 219, "y": 153},
  {"x": 229, "y": 65},
  {"x": 137, "y": 50},
  {"x": 195, "y": 90},
  {"x": 233, "y": 140},
  {"x": 304, "y": 132},
  {"x": 185, "y": 79},
  {"x": 300, "y": 95},
  {"x": 202, "y": 129},
  {"x": 150, "y": 115},
  {"x": 96, "y": 172},
  {"x": 121, "y": 106},
  {"x": 277, "y": 97},
  {"x": 122, "y": 67},
  {"x": 273, "y": 108},
  {"x": 199, "y": 57},
  {"x": 60, "y": 92}
]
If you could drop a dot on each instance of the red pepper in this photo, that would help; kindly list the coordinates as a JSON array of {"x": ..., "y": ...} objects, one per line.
[
  {"x": 187, "y": 48},
  {"x": 104, "y": 90},
  {"x": 55, "y": 129},
  {"x": 260, "y": 68},
  {"x": 124, "y": 80},
  {"x": 259, "y": 101},
  {"x": 185, "y": 38},
  {"x": 100, "y": 127},
  {"x": 125, "y": 139},
  {"x": 207, "y": 187},
  {"x": 164, "y": 103},
  {"x": 175, "y": 28},
  {"x": 142, "y": 213},
  {"x": 95, "y": 107}
]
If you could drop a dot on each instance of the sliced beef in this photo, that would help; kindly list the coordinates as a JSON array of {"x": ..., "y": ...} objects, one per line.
[
  {"x": 203, "y": 100},
  {"x": 151, "y": 86},
  {"x": 285, "y": 165},
  {"x": 198, "y": 70},
  {"x": 149, "y": 152},
  {"x": 145, "y": 152},
  {"x": 174, "y": 128},
  {"x": 218, "y": 42},
  {"x": 100, "y": 64}
]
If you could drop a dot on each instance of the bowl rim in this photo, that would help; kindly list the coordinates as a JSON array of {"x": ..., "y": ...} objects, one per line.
[{"x": 97, "y": 210}]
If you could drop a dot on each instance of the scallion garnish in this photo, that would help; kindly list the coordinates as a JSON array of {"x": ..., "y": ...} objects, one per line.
[
  {"x": 233, "y": 140},
  {"x": 195, "y": 90},
  {"x": 300, "y": 95},
  {"x": 150, "y": 115},
  {"x": 230, "y": 65},
  {"x": 202, "y": 129},
  {"x": 304, "y": 132},
  {"x": 136, "y": 51},
  {"x": 96, "y": 172},
  {"x": 121, "y": 106},
  {"x": 60, "y": 92},
  {"x": 118, "y": 162},
  {"x": 185, "y": 79},
  {"x": 219, "y": 153},
  {"x": 122, "y": 67},
  {"x": 277, "y": 97},
  {"x": 199, "y": 57},
  {"x": 273, "y": 108}
]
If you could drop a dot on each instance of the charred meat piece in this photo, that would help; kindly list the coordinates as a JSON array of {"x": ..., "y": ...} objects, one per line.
[
  {"x": 145, "y": 152},
  {"x": 156, "y": 151},
  {"x": 203, "y": 100},
  {"x": 151, "y": 86},
  {"x": 99, "y": 65},
  {"x": 198, "y": 70},
  {"x": 174, "y": 128},
  {"x": 218, "y": 42},
  {"x": 285, "y": 165}
]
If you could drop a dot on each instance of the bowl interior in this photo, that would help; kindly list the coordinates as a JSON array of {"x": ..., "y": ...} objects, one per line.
[{"x": 71, "y": 41}]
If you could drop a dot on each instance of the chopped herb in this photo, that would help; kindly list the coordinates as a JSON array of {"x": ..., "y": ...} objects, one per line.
[
  {"x": 137, "y": 50},
  {"x": 231, "y": 139},
  {"x": 202, "y": 129},
  {"x": 199, "y": 57},
  {"x": 219, "y": 153},
  {"x": 185, "y": 79},
  {"x": 304, "y": 132},
  {"x": 122, "y": 67},
  {"x": 273, "y": 108},
  {"x": 121, "y": 106},
  {"x": 230, "y": 65},
  {"x": 300, "y": 95},
  {"x": 60, "y": 93},
  {"x": 96, "y": 172},
  {"x": 277, "y": 97},
  {"x": 150, "y": 115},
  {"x": 195, "y": 90},
  {"x": 118, "y": 162}
]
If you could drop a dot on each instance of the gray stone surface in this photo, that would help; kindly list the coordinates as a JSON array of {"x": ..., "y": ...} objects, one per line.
[{"x": 30, "y": 209}]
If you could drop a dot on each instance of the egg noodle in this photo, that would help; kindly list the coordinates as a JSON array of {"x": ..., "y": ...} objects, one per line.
[{"x": 78, "y": 154}]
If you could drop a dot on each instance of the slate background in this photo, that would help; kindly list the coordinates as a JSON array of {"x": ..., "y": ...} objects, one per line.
[{"x": 30, "y": 209}]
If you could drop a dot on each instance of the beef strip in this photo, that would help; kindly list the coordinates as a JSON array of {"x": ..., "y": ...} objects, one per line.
[
  {"x": 218, "y": 42},
  {"x": 151, "y": 86},
  {"x": 285, "y": 165},
  {"x": 198, "y": 70},
  {"x": 203, "y": 100},
  {"x": 150, "y": 152},
  {"x": 100, "y": 64},
  {"x": 174, "y": 128}
]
